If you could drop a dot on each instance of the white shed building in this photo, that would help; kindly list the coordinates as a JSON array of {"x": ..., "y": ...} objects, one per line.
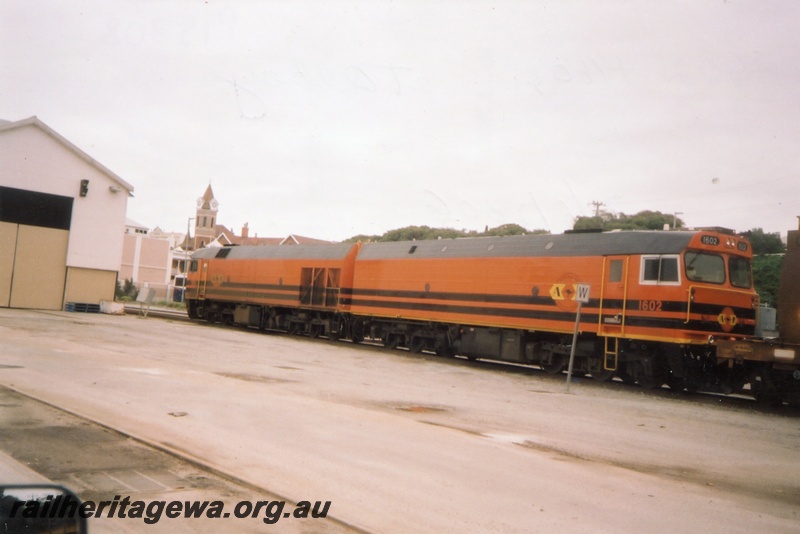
[{"x": 62, "y": 220}]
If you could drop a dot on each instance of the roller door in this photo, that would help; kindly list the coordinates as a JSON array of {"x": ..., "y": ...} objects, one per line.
[{"x": 34, "y": 234}]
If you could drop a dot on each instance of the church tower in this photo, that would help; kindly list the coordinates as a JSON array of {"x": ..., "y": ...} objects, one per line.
[{"x": 205, "y": 219}]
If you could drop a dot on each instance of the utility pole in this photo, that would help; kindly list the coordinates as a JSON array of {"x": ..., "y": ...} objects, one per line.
[
  {"x": 188, "y": 233},
  {"x": 675, "y": 219},
  {"x": 597, "y": 206},
  {"x": 186, "y": 258}
]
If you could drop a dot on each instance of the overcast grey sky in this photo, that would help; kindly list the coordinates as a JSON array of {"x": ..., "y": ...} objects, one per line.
[{"x": 334, "y": 118}]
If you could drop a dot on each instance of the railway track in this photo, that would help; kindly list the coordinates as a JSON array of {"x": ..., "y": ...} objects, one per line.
[{"x": 162, "y": 313}]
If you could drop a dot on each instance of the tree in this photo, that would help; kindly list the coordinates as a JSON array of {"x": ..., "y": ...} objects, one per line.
[
  {"x": 507, "y": 229},
  {"x": 644, "y": 220},
  {"x": 589, "y": 223},
  {"x": 411, "y": 233},
  {"x": 766, "y": 277},
  {"x": 126, "y": 291},
  {"x": 764, "y": 243},
  {"x": 768, "y": 252},
  {"x": 364, "y": 238}
]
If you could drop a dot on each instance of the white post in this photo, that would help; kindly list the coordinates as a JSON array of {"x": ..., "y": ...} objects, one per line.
[{"x": 582, "y": 296}]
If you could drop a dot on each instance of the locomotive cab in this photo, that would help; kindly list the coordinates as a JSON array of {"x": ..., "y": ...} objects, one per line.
[
  {"x": 664, "y": 304},
  {"x": 719, "y": 282}
]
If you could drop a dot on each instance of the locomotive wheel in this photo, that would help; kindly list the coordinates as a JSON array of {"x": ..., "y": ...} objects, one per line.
[
  {"x": 603, "y": 376},
  {"x": 315, "y": 330},
  {"x": 417, "y": 344},
  {"x": 764, "y": 390},
  {"x": 444, "y": 348},
  {"x": 652, "y": 374},
  {"x": 626, "y": 374},
  {"x": 392, "y": 341},
  {"x": 648, "y": 382},
  {"x": 690, "y": 386},
  {"x": 445, "y": 351},
  {"x": 356, "y": 331},
  {"x": 335, "y": 332},
  {"x": 768, "y": 397},
  {"x": 558, "y": 362},
  {"x": 675, "y": 383}
]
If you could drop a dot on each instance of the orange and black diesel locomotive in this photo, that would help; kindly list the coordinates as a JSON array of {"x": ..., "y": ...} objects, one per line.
[{"x": 659, "y": 300}]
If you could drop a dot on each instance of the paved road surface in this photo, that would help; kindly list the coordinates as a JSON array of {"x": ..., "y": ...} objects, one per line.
[{"x": 405, "y": 443}]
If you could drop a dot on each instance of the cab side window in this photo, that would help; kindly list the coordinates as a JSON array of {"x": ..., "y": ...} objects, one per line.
[
  {"x": 660, "y": 270},
  {"x": 741, "y": 275},
  {"x": 615, "y": 271}
]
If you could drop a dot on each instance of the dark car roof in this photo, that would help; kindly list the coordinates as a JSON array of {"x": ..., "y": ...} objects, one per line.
[{"x": 287, "y": 252}]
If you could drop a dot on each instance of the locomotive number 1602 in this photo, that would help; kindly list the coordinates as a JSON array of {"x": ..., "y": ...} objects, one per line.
[{"x": 650, "y": 305}]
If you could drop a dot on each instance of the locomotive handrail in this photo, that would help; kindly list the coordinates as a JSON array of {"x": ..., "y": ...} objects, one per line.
[
  {"x": 690, "y": 297},
  {"x": 602, "y": 296},
  {"x": 625, "y": 294},
  {"x": 203, "y": 285}
]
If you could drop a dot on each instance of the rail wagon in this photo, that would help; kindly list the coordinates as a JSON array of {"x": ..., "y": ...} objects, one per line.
[{"x": 773, "y": 357}]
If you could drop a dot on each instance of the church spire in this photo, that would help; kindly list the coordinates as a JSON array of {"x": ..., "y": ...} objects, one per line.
[{"x": 205, "y": 221}]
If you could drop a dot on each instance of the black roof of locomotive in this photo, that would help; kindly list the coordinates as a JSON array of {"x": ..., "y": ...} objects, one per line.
[{"x": 546, "y": 245}]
